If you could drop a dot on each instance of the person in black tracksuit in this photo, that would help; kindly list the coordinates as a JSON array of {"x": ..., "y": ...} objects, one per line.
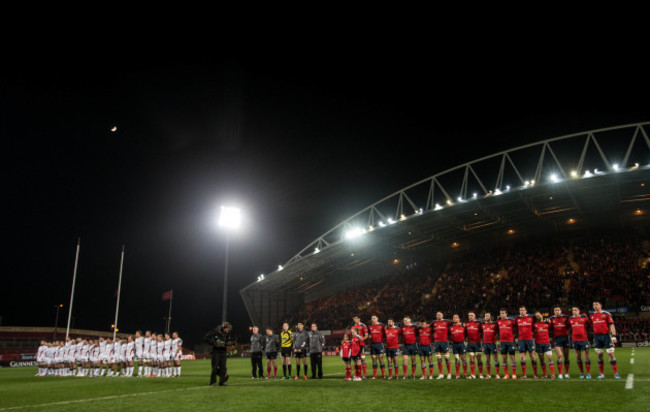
[
  {"x": 219, "y": 338},
  {"x": 257, "y": 348}
]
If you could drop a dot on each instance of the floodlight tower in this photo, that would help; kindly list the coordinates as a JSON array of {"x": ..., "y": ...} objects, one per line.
[{"x": 229, "y": 220}]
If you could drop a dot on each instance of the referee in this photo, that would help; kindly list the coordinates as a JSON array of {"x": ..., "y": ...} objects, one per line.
[
  {"x": 286, "y": 345},
  {"x": 219, "y": 338}
]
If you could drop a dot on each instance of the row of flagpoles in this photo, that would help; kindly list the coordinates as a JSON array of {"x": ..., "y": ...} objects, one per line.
[{"x": 168, "y": 295}]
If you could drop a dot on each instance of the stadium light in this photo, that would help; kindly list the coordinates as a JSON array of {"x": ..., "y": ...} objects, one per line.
[
  {"x": 615, "y": 167},
  {"x": 553, "y": 177},
  {"x": 230, "y": 220},
  {"x": 381, "y": 224},
  {"x": 438, "y": 207},
  {"x": 354, "y": 232},
  {"x": 497, "y": 192},
  {"x": 474, "y": 195},
  {"x": 316, "y": 250},
  {"x": 587, "y": 173},
  {"x": 280, "y": 267},
  {"x": 574, "y": 173}
]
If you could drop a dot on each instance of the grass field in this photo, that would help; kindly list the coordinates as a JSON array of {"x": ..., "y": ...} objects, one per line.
[{"x": 21, "y": 390}]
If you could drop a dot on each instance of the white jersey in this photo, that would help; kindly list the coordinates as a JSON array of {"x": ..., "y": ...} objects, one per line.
[
  {"x": 77, "y": 350},
  {"x": 168, "y": 346},
  {"x": 109, "y": 350},
  {"x": 40, "y": 354},
  {"x": 102, "y": 347},
  {"x": 130, "y": 348},
  {"x": 176, "y": 343},
  {"x": 147, "y": 345},
  {"x": 85, "y": 351},
  {"x": 139, "y": 346},
  {"x": 159, "y": 348},
  {"x": 117, "y": 350},
  {"x": 124, "y": 348}
]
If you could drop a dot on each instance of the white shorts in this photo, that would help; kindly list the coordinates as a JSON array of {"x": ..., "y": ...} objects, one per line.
[
  {"x": 128, "y": 358},
  {"x": 178, "y": 356},
  {"x": 168, "y": 356},
  {"x": 138, "y": 355}
]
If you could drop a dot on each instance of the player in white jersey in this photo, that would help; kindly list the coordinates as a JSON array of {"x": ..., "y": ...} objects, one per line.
[
  {"x": 76, "y": 350},
  {"x": 177, "y": 353},
  {"x": 101, "y": 344},
  {"x": 146, "y": 353},
  {"x": 139, "y": 350},
  {"x": 160, "y": 348},
  {"x": 84, "y": 358},
  {"x": 167, "y": 354},
  {"x": 130, "y": 353},
  {"x": 123, "y": 361},
  {"x": 40, "y": 357},
  {"x": 117, "y": 353},
  {"x": 109, "y": 355},
  {"x": 68, "y": 356},
  {"x": 94, "y": 358}
]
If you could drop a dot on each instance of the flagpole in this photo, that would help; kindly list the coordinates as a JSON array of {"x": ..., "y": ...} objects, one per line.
[
  {"x": 74, "y": 280},
  {"x": 119, "y": 289},
  {"x": 169, "y": 316}
]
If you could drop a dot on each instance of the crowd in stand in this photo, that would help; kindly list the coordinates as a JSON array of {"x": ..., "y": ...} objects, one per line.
[{"x": 535, "y": 273}]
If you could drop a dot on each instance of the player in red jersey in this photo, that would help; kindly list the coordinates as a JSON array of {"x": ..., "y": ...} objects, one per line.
[
  {"x": 458, "y": 335},
  {"x": 376, "y": 331},
  {"x": 579, "y": 336},
  {"x": 489, "y": 330},
  {"x": 560, "y": 327},
  {"x": 424, "y": 348},
  {"x": 507, "y": 339},
  {"x": 355, "y": 354},
  {"x": 473, "y": 328},
  {"x": 392, "y": 333},
  {"x": 526, "y": 342},
  {"x": 346, "y": 353},
  {"x": 441, "y": 343},
  {"x": 541, "y": 328},
  {"x": 409, "y": 340},
  {"x": 604, "y": 338},
  {"x": 362, "y": 331}
]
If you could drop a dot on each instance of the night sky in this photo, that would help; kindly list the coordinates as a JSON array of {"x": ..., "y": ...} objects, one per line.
[{"x": 299, "y": 143}]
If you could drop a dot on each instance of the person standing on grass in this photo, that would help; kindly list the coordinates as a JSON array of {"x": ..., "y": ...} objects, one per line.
[
  {"x": 604, "y": 338},
  {"x": 560, "y": 328},
  {"x": 219, "y": 338},
  {"x": 271, "y": 347},
  {"x": 316, "y": 344},
  {"x": 300, "y": 342},
  {"x": 286, "y": 347},
  {"x": 580, "y": 339},
  {"x": 257, "y": 346}
]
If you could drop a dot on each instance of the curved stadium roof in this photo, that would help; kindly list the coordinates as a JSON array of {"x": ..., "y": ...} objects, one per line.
[{"x": 590, "y": 179}]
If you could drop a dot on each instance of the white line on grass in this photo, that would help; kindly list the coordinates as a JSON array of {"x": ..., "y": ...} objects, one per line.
[
  {"x": 103, "y": 398},
  {"x": 631, "y": 361},
  {"x": 629, "y": 383}
]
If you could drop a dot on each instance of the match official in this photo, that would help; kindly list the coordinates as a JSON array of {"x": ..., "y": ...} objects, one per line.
[{"x": 316, "y": 343}]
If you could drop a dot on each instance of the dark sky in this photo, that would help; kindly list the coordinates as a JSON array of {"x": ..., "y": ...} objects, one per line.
[{"x": 300, "y": 143}]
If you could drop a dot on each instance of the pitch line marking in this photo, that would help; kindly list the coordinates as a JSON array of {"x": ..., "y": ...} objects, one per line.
[
  {"x": 629, "y": 383},
  {"x": 102, "y": 398}
]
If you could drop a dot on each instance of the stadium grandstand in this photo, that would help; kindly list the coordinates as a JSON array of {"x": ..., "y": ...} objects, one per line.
[{"x": 538, "y": 224}]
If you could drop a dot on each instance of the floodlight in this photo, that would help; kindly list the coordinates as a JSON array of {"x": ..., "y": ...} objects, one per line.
[
  {"x": 554, "y": 178},
  {"x": 230, "y": 217}
]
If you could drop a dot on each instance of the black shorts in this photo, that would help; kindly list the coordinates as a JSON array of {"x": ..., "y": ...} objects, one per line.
[
  {"x": 286, "y": 352},
  {"x": 299, "y": 354},
  {"x": 271, "y": 355}
]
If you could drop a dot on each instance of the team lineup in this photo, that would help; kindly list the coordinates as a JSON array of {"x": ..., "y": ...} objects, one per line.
[
  {"x": 530, "y": 335},
  {"x": 157, "y": 355}
]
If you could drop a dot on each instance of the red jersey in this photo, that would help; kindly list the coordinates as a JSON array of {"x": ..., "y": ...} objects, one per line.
[
  {"x": 356, "y": 346},
  {"x": 525, "y": 327},
  {"x": 473, "y": 329},
  {"x": 346, "y": 349},
  {"x": 424, "y": 335},
  {"x": 489, "y": 332},
  {"x": 541, "y": 333},
  {"x": 600, "y": 322},
  {"x": 441, "y": 330},
  {"x": 363, "y": 332},
  {"x": 506, "y": 330},
  {"x": 579, "y": 328},
  {"x": 392, "y": 337},
  {"x": 560, "y": 325},
  {"x": 376, "y": 333},
  {"x": 457, "y": 333},
  {"x": 409, "y": 335}
]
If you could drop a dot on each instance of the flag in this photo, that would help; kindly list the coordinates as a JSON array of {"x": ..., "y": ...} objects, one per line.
[{"x": 167, "y": 295}]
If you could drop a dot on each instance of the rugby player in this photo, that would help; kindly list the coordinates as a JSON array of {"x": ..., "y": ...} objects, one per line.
[
  {"x": 474, "y": 349},
  {"x": 362, "y": 331},
  {"x": 489, "y": 330},
  {"x": 579, "y": 336},
  {"x": 392, "y": 347},
  {"x": 526, "y": 342},
  {"x": 424, "y": 348},
  {"x": 376, "y": 331},
  {"x": 441, "y": 343},
  {"x": 604, "y": 338},
  {"x": 409, "y": 340},
  {"x": 271, "y": 348},
  {"x": 300, "y": 349},
  {"x": 507, "y": 339},
  {"x": 457, "y": 332},
  {"x": 560, "y": 328},
  {"x": 541, "y": 328},
  {"x": 177, "y": 354}
]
